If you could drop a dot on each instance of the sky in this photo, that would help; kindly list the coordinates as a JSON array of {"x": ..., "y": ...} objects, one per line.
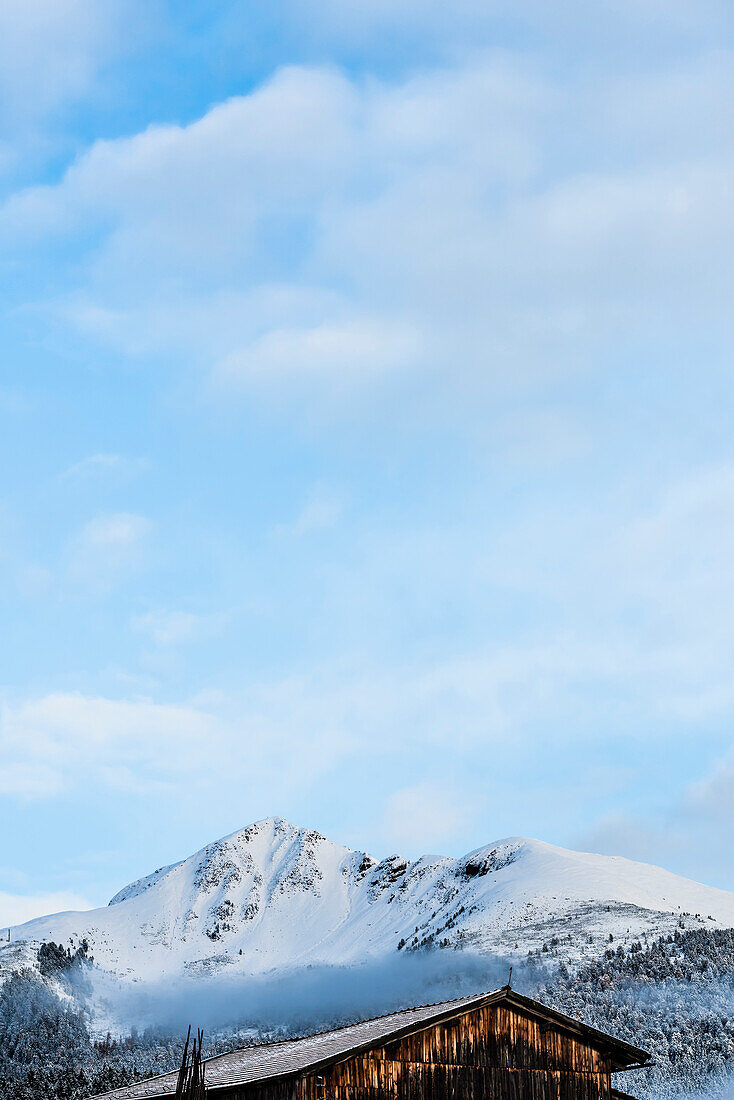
[{"x": 366, "y": 458}]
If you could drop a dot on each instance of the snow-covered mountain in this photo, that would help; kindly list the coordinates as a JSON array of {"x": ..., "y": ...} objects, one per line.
[{"x": 275, "y": 896}]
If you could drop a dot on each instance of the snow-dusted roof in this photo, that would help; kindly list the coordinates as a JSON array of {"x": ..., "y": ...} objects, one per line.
[{"x": 313, "y": 1052}]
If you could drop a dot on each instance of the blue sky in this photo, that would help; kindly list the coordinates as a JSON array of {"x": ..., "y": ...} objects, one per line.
[{"x": 365, "y": 430}]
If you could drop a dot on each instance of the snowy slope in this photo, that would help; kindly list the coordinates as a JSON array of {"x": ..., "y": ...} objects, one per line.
[{"x": 274, "y": 896}]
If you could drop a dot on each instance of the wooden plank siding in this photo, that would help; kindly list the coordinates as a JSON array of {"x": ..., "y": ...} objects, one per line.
[{"x": 494, "y": 1052}]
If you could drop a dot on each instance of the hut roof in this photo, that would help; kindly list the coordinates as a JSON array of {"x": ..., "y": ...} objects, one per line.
[{"x": 267, "y": 1061}]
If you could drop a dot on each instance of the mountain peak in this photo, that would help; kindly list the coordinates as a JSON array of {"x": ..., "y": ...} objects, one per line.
[
  {"x": 274, "y": 826},
  {"x": 276, "y": 895},
  {"x": 268, "y": 835}
]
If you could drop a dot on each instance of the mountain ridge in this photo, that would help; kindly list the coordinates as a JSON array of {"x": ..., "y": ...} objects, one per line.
[{"x": 275, "y": 896}]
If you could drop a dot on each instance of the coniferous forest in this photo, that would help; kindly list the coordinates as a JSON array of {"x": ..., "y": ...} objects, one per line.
[{"x": 674, "y": 997}]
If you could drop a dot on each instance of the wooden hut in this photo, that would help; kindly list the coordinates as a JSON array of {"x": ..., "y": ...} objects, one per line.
[{"x": 498, "y": 1045}]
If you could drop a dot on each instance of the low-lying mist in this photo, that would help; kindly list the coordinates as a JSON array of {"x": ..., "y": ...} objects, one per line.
[{"x": 307, "y": 999}]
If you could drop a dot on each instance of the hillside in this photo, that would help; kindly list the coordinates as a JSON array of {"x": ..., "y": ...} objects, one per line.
[{"x": 275, "y": 896}]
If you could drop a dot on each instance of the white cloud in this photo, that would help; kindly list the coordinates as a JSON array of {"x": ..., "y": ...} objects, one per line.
[
  {"x": 121, "y": 529},
  {"x": 349, "y": 349},
  {"x": 57, "y": 741},
  {"x": 51, "y": 53},
  {"x": 229, "y": 171},
  {"x": 103, "y": 464},
  {"x": 309, "y": 156},
  {"x": 269, "y": 737},
  {"x": 574, "y": 667},
  {"x": 19, "y": 908},
  {"x": 323, "y": 229},
  {"x": 272, "y": 735},
  {"x": 635, "y": 580}
]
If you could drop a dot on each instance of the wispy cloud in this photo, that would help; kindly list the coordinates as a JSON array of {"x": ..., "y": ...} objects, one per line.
[
  {"x": 100, "y": 464},
  {"x": 428, "y": 343},
  {"x": 69, "y": 42},
  {"x": 61, "y": 740},
  {"x": 343, "y": 351},
  {"x": 427, "y": 816},
  {"x": 18, "y": 908},
  {"x": 119, "y": 530},
  {"x": 687, "y": 829},
  {"x": 320, "y": 511},
  {"x": 106, "y": 548},
  {"x": 443, "y": 262},
  {"x": 167, "y": 628}
]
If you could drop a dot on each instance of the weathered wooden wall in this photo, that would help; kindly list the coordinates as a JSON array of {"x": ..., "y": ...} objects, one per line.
[{"x": 495, "y": 1052}]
